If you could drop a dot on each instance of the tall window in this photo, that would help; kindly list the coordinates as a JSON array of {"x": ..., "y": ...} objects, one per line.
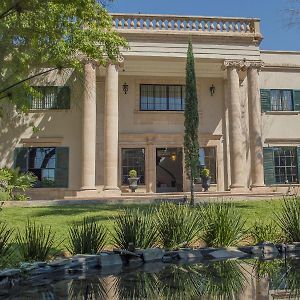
[
  {"x": 285, "y": 160},
  {"x": 282, "y": 100},
  {"x": 50, "y": 165},
  {"x": 133, "y": 159},
  {"x": 207, "y": 159},
  {"x": 41, "y": 162},
  {"x": 51, "y": 97},
  {"x": 162, "y": 97}
]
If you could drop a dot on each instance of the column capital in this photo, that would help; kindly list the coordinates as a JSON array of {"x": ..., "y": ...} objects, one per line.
[
  {"x": 242, "y": 64},
  {"x": 119, "y": 62}
]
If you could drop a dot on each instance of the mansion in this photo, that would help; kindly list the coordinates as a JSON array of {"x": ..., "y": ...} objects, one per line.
[{"x": 93, "y": 128}]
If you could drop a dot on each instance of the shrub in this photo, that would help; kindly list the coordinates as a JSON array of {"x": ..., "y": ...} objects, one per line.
[
  {"x": 177, "y": 225},
  {"x": 5, "y": 236},
  {"x": 134, "y": 227},
  {"x": 12, "y": 182},
  {"x": 288, "y": 219},
  {"x": 223, "y": 225},
  {"x": 133, "y": 174},
  {"x": 36, "y": 242},
  {"x": 262, "y": 232},
  {"x": 4, "y": 195},
  {"x": 88, "y": 237}
]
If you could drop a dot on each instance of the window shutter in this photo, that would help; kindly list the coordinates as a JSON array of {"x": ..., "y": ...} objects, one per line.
[
  {"x": 62, "y": 167},
  {"x": 63, "y": 97},
  {"x": 21, "y": 159},
  {"x": 296, "y": 99},
  {"x": 265, "y": 98},
  {"x": 269, "y": 166},
  {"x": 298, "y": 161}
]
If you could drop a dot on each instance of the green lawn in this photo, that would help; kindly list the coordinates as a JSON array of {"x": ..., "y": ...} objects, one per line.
[{"x": 59, "y": 217}]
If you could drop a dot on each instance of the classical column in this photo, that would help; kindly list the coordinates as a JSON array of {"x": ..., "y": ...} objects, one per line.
[
  {"x": 151, "y": 167},
  {"x": 111, "y": 130},
  {"x": 255, "y": 124},
  {"x": 89, "y": 128},
  {"x": 237, "y": 157}
]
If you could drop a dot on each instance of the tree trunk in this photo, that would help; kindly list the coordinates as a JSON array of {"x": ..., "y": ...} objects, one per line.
[{"x": 192, "y": 202}]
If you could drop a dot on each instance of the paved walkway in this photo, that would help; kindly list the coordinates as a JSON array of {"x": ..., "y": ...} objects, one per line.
[{"x": 148, "y": 199}]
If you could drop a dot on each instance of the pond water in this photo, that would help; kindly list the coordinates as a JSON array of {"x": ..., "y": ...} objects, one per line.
[{"x": 231, "y": 279}]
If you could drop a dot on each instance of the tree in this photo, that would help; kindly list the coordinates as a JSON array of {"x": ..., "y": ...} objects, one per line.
[
  {"x": 38, "y": 36},
  {"x": 191, "y": 123}
]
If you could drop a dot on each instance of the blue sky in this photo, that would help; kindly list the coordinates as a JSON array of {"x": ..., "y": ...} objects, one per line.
[{"x": 274, "y": 22}]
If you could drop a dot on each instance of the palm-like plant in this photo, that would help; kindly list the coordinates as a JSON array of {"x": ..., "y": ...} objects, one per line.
[
  {"x": 288, "y": 219},
  {"x": 223, "y": 224},
  {"x": 177, "y": 225},
  {"x": 134, "y": 227},
  {"x": 36, "y": 243},
  {"x": 87, "y": 237}
]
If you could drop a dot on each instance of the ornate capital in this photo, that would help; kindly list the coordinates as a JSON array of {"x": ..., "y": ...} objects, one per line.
[
  {"x": 243, "y": 64},
  {"x": 256, "y": 64}
]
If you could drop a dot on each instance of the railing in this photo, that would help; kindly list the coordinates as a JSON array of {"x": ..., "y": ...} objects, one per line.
[{"x": 186, "y": 23}]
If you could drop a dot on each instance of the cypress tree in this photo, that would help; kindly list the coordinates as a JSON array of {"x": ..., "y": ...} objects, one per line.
[{"x": 191, "y": 123}]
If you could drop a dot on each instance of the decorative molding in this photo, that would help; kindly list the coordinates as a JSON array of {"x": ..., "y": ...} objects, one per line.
[
  {"x": 42, "y": 141},
  {"x": 242, "y": 65}
]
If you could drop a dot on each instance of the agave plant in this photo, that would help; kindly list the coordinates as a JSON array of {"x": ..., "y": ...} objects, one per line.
[
  {"x": 177, "y": 225},
  {"x": 288, "y": 219},
  {"x": 36, "y": 243},
  {"x": 87, "y": 237},
  {"x": 263, "y": 232},
  {"x": 134, "y": 227},
  {"x": 223, "y": 224}
]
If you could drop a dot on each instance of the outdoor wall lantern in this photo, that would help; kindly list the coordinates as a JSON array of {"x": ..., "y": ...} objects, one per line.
[
  {"x": 173, "y": 156},
  {"x": 212, "y": 90},
  {"x": 125, "y": 88}
]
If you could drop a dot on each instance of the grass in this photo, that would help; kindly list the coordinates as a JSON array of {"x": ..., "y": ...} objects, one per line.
[{"x": 61, "y": 217}]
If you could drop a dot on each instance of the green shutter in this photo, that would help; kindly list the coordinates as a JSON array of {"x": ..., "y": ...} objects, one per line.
[
  {"x": 296, "y": 99},
  {"x": 21, "y": 159},
  {"x": 62, "y": 167},
  {"x": 63, "y": 97},
  {"x": 298, "y": 160},
  {"x": 265, "y": 98},
  {"x": 269, "y": 166}
]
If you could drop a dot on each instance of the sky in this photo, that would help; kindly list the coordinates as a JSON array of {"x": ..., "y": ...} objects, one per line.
[{"x": 278, "y": 35}]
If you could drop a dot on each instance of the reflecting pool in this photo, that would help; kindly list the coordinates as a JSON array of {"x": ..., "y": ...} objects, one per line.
[{"x": 231, "y": 279}]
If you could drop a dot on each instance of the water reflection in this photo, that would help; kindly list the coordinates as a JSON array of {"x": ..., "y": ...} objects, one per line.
[{"x": 233, "y": 279}]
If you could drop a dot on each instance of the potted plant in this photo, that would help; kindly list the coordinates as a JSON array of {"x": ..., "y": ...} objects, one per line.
[
  {"x": 205, "y": 179},
  {"x": 133, "y": 180}
]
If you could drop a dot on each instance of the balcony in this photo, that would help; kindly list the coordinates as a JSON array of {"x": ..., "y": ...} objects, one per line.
[{"x": 188, "y": 25}]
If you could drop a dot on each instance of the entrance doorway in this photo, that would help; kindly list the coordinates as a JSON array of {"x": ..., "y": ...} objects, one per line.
[{"x": 169, "y": 170}]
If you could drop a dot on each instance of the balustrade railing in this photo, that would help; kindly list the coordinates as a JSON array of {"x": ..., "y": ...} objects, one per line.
[{"x": 186, "y": 23}]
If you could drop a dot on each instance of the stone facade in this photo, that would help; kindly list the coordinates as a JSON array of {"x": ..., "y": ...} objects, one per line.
[{"x": 104, "y": 118}]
